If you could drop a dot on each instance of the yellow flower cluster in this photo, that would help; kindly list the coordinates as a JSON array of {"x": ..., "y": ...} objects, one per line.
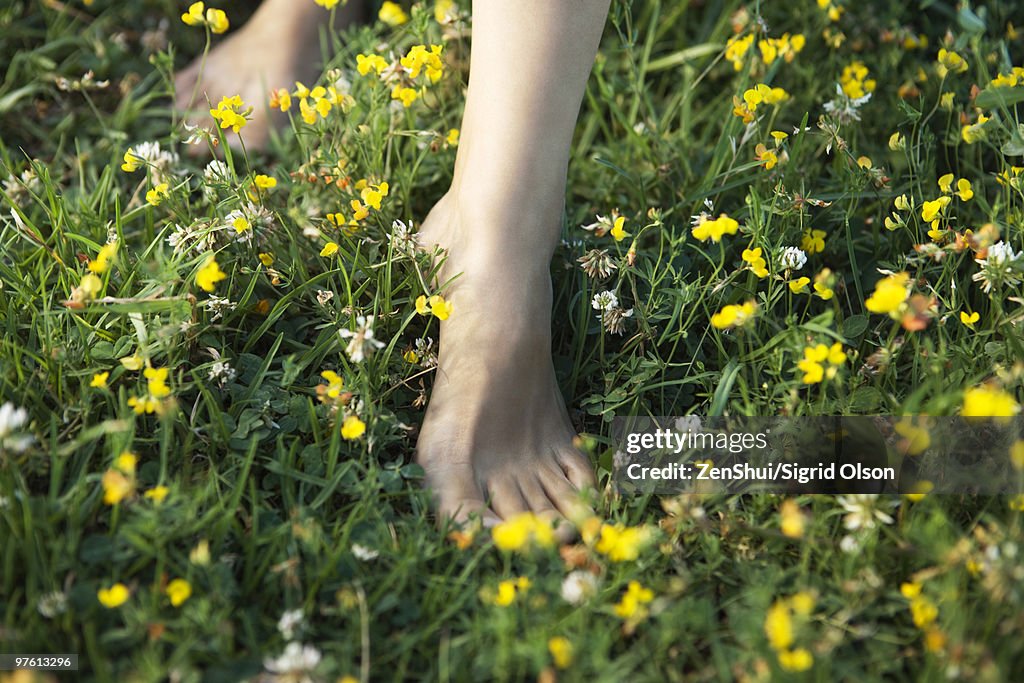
[
  {"x": 736, "y": 49},
  {"x": 418, "y": 60},
  {"x": 209, "y": 274},
  {"x": 156, "y": 195},
  {"x": 734, "y": 315},
  {"x": 924, "y": 613},
  {"x": 949, "y": 61},
  {"x": 813, "y": 241},
  {"x": 131, "y": 162},
  {"x": 156, "y": 389},
  {"x": 621, "y": 543},
  {"x": 632, "y": 607},
  {"x": 780, "y": 628},
  {"x": 232, "y": 113},
  {"x": 971, "y": 133},
  {"x": 506, "y": 592},
  {"x": 435, "y": 305},
  {"x": 1010, "y": 80},
  {"x": 889, "y": 295},
  {"x": 715, "y": 228},
  {"x": 989, "y": 401},
  {"x": 103, "y": 259},
  {"x": 118, "y": 482},
  {"x": 522, "y": 532},
  {"x": 815, "y": 359},
  {"x": 755, "y": 97},
  {"x": 392, "y": 14},
  {"x": 831, "y": 9},
  {"x": 855, "y": 82},
  {"x": 787, "y": 47},
  {"x": 756, "y": 261},
  {"x": 198, "y": 15}
]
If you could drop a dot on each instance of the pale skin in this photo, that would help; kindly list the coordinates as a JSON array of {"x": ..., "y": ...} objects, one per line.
[{"x": 496, "y": 439}]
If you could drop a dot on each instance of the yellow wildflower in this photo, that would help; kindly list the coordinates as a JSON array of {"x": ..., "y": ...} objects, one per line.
[
  {"x": 950, "y": 61},
  {"x": 157, "y": 494},
  {"x": 520, "y": 532},
  {"x": 116, "y": 487},
  {"x": 798, "y": 285},
  {"x": 792, "y": 519},
  {"x": 561, "y": 652},
  {"x": 796, "y": 660},
  {"x": 989, "y": 400},
  {"x": 178, "y": 591},
  {"x": 99, "y": 380},
  {"x": 715, "y": 228},
  {"x": 131, "y": 162},
  {"x": 232, "y": 113},
  {"x": 209, "y": 274},
  {"x": 621, "y": 543},
  {"x": 157, "y": 194},
  {"x": 392, "y": 14},
  {"x": 101, "y": 263},
  {"x": 964, "y": 189},
  {"x": 367, "y": 63},
  {"x": 215, "y": 19},
  {"x": 890, "y": 293},
  {"x": 734, "y": 315},
  {"x": 352, "y": 428},
  {"x": 618, "y": 231},
  {"x": 112, "y": 597},
  {"x": 778, "y": 626},
  {"x": 632, "y": 605},
  {"x": 813, "y": 241}
]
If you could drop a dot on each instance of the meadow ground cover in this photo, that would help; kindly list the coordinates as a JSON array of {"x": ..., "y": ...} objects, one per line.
[{"x": 212, "y": 372}]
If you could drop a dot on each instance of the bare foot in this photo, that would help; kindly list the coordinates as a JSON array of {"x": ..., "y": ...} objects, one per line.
[
  {"x": 275, "y": 48},
  {"x": 496, "y": 439}
]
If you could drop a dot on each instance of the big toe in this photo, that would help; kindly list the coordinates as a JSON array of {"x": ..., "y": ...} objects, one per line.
[{"x": 459, "y": 500}]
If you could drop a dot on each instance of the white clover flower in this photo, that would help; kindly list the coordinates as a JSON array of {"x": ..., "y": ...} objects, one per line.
[
  {"x": 577, "y": 586},
  {"x": 219, "y": 305},
  {"x": 793, "y": 258},
  {"x": 402, "y": 238},
  {"x": 999, "y": 267},
  {"x": 290, "y": 622},
  {"x": 364, "y": 554},
  {"x": 361, "y": 344},
  {"x": 864, "y": 510},
  {"x": 12, "y": 420},
  {"x": 52, "y": 604},
  {"x": 1000, "y": 253},
  {"x": 849, "y": 544},
  {"x": 296, "y": 663},
  {"x": 844, "y": 107},
  {"x": 222, "y": 373},
  {"x": 605, "y": 301},
  {"x": 162, "y": 162},
  {"x": 688, "y": 423}
]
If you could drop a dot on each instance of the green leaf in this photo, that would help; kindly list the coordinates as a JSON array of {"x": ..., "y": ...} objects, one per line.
[
  {"x": 990, "y": 97},
  {"x": 854, "y": 326}
]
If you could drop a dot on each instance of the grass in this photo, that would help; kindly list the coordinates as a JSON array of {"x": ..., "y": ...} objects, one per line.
[{"x": 272, "y": 505}]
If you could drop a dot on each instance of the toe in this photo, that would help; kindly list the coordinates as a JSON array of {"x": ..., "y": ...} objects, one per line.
[
  {"x": 543, "y": 506},
  {"x": 505, "y": 497},
  {"x": 460, "y": 500},
  {"x": 565, "y": 496},
  {"x": 578, "y": 469}
]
